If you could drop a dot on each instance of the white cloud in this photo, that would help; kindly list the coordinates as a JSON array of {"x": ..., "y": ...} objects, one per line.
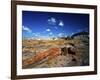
[
  {"x": 36, "y": 34},
  {"x": 24, "y": 28},
  {"x": 72, "y": 33},
  {"x": 33, "y": 33},
  {"x": 61, "y": 23},
  {"x": 52, "y": 21},
  {"x": 50, "y": 33},
  {"x": 49, "y": 20},
  {"x": 48, "y": 30},
  {"x": 60, "y": 34}
]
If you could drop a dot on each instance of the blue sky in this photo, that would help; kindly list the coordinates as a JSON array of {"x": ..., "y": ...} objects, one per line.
[{"x": 51, "y": 24}]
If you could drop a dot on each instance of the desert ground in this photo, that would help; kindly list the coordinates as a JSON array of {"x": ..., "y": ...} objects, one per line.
[{"x": 54, "y": 53}]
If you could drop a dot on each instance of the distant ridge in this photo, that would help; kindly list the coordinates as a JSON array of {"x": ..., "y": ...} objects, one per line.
[{"x": 80, "y": 33}]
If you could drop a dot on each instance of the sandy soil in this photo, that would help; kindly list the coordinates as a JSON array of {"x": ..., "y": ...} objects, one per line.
[{"x": 47, "y": 53}]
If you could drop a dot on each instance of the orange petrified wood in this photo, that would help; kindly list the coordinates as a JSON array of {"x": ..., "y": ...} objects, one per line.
[{"x": 51, "y": 53}]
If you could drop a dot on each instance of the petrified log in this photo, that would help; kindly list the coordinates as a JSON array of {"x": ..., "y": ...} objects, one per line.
[{"x": 51, "y": 53}]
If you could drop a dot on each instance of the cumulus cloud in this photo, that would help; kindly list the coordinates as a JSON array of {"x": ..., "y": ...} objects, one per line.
[
  {"x": 72, "y": 33},
  {"x": 61, "y": 23},
  {"x": 52, "y": 21},
  {"x": 50, "y": 33},
  {"x": 62, "y": 35},
  {"x": 25, "y": 28},
  {"x": 36, "y": 34},
  {"x": 48, "y": 30}
]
